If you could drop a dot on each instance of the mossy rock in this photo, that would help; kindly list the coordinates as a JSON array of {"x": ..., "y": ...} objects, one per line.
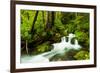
[
  {"x": 82, "y": 55},
  {"x": 43, "y": 47}
]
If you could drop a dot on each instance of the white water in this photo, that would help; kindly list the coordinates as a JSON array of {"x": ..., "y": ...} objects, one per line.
[{"x": 59, "y": 48}]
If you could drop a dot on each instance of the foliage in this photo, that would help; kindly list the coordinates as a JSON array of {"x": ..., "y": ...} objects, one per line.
[
  {"x": 43, "y": 47},
  {"x": 26, "y": 22},
  {"x": 45, "y": 33},
  {"x": 82, "y": 55}
]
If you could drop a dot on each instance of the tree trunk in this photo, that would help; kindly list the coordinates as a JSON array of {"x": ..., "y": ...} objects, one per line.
[
  {"x": 26, "y": 47},
  {"x": 53, "y": 18},
  {"x": 43, "y": 17},
  {"x": 50, "y": 20},
  {"x": 35, "y": 18}
]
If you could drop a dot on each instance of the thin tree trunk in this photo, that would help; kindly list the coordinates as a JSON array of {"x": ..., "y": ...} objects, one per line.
[
  {"x": 76, "y": 14},
  {"x": 26, "y": 47},
  {"x": 50, "y": 20},
  {"x": 43, "y": 17},
  {"x": 35, "y": 18},
  {"x": 53, "y": 18}
]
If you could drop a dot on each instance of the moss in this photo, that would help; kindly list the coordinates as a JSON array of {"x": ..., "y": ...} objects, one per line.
[{"x": 82, "y": 55}]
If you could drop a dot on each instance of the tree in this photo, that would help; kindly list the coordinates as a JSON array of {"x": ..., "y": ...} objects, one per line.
[
  {"x": 35, "y": 18},
  {"x": 50, "y": 20},
  {"x": 39, "y": 29},
  {"x": 26, "y": 22}
]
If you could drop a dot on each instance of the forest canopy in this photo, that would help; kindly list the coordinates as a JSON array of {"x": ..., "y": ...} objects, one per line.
[{"x": 40, "y": 29}]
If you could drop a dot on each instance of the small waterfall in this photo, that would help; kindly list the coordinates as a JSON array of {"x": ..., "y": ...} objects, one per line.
[
  {"x": 76, "y": 42},
  {"x": 76, "y": 46},
  {"x": 59, "y": 48},
  {"x": 63, "y": 39},
  {"x": 70, "y": 37}
]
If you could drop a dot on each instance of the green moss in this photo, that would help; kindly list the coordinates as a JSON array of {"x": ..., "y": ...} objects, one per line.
[
  {"x": 82, "y": 55},
  {"x": 43, "y": 47}
]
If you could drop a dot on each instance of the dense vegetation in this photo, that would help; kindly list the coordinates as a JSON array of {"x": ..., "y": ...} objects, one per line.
[{"x": 40, "y": 29}]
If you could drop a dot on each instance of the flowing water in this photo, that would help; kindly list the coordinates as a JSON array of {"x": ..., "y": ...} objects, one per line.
[{"x": 58, "y": 48}]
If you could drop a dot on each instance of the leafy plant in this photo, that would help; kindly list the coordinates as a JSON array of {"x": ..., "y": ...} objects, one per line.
[
  {"x": 82, "y": 55},
  {"x": 40, "y": 29}
]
